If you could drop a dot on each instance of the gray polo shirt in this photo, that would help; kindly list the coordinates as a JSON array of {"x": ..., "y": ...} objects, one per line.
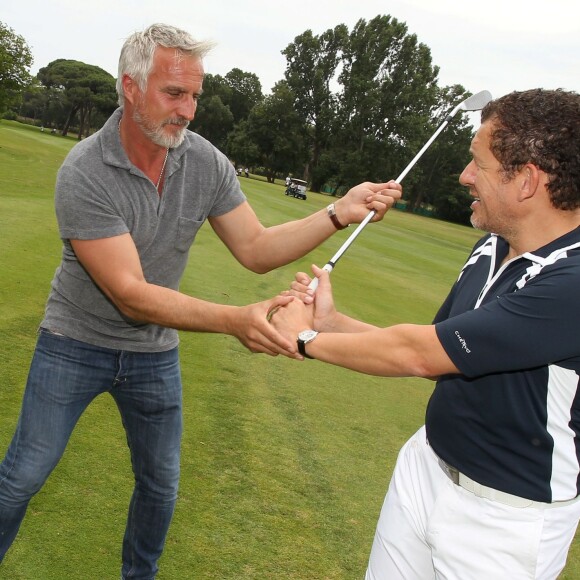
[{"x": 101, "y": 194}]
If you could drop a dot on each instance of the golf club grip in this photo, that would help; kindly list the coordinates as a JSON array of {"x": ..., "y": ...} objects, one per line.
[{"x": 314, "y": 282}]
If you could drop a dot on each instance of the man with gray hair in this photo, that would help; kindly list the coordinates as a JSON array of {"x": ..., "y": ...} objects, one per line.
[{"x": 130, "y": 200}]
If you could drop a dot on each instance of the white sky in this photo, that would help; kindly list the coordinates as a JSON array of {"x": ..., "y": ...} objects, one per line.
[{"x": 498, "y": 45}]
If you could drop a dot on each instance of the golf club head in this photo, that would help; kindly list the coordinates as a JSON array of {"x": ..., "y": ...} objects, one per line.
[{"x": 476, "y": 102}]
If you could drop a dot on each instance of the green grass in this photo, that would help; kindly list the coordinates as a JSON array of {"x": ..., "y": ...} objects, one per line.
[{"x": 285, "y": 464}]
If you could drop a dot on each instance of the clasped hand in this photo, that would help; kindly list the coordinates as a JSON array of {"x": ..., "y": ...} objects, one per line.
[
  {"x": 307, "y": 310},
  {"x": 365, "y": 197}
]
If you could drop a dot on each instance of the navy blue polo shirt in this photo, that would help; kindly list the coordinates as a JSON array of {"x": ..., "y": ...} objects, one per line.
[{"x": 511, "y": 419}]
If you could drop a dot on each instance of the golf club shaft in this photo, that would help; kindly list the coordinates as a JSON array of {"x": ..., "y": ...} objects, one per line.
[
  {"x": 332, "y": 262},
  {"x": 423, "y": 149},
  {"x": 474, "y": 103}
]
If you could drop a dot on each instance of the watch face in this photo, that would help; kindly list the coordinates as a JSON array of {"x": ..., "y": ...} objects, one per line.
[{"x": 307, "y": 335}]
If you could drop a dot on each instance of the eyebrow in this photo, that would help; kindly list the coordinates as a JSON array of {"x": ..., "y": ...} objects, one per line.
[{"x": 178, "y": 89}]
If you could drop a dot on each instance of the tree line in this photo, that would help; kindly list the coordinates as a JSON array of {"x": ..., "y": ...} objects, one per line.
[{"x": 353, "y": 105}]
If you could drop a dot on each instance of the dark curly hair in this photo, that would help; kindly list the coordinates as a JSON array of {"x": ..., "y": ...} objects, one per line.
[{"x": 541, "y": 127}]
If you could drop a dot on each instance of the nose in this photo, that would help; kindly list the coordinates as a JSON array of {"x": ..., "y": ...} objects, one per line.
[
  {"x": 187, "y": 107},
  {"x": 468, "y": 174}
]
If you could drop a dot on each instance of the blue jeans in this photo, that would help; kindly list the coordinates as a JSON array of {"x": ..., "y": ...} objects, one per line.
[{"x": 65, "y": 376}]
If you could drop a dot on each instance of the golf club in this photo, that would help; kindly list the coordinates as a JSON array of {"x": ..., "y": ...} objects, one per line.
[{"x": 473, "y": 103}]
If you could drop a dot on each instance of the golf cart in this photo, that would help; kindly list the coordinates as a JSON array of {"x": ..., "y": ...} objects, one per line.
[{"x": 297, "y": 188}]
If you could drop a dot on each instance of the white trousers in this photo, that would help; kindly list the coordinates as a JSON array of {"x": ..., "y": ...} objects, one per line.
[{"x": 430, "y": 528}]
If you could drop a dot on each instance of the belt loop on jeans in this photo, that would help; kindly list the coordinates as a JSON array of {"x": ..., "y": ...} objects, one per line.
[{"x": 461, "y": 480}]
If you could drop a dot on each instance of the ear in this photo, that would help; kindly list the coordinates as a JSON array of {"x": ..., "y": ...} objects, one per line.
[
  {"x": 531, "y": 180},
  {"x": 130, "y": 89}
]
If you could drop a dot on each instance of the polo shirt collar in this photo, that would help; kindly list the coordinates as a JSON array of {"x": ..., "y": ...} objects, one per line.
[{"x": 569, "y": 239}]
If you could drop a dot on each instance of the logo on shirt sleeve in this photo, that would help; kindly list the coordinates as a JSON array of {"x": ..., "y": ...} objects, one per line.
[{"x": 462, "y": 342}]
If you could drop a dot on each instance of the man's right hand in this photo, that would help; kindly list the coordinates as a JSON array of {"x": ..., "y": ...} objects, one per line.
[
  {"x": 324, "y": 310},
  {"x": 252, "y": 328}
]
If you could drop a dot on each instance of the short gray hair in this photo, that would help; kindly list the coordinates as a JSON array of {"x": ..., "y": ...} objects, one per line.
[{"x": 136, "y": 59}]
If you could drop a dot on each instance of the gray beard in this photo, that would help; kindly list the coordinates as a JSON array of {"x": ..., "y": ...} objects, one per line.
[{"x": 154, "y": 131}]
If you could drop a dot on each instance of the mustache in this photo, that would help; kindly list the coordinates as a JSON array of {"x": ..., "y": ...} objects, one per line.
[{"x": 182, "y": 121}]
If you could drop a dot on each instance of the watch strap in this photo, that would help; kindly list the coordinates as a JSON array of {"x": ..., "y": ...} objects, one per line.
[
  {"x": 302, "y": 349},
  {"x": 331, "y": 211}
]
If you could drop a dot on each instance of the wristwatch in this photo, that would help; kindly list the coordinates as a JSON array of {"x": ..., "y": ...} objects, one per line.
[
  {"x": 331, "y": 211},
  {"x": 304, "y": 338}
]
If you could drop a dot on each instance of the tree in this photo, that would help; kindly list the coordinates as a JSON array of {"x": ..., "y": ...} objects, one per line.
[
  {"x": 213, "y": 120},
  {"x": 276, "y": 129},
  {"x": 15, "y": 62},
  {"x": 366, "y": 97},
  {"x": 241, "y": 148},
  {"x": 389, "y": 95},
  {"x": 45, "y": 105},
  {"x": 224, "y": 103},
  {"x": 436, "y": 176},
  {"x": 312, "y": 63},
  {"x": 86, "y": 88},
  {"x": 245, "y": 92},
  {"x": 215, "y": 85}
]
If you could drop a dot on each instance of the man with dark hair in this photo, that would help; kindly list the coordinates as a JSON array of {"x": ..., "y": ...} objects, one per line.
[
  {"x": 488, "y": 488},
  {"x": 129, "y": 201}
]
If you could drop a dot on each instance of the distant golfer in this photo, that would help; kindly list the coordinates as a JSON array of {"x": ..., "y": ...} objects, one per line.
[
  {"x": 488, "y": 489},
  {"x": 130, "y": 200}
]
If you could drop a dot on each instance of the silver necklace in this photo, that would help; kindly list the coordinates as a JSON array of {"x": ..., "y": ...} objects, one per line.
[
  {"x": 162, "y": 169},
  {"x": 164, "y": 161}
]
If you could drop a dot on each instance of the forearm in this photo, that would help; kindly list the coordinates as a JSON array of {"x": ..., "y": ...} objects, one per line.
[
  {"x": 153, "y": 304},
  {"x": 398, "y": 351},
  {"x": 345, "y": 324},
  {"x": 262, "y": 249},
  {"x": 158, "y": 305},
  {"x": 284, "y": 243},
  {"x": 113, "y": 264}
]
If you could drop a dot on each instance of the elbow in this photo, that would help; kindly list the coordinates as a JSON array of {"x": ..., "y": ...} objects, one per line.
[
  {"x": 131, "y": 313},
  {"x": 422, "y": 353},
  {"x": 127, "y": 303},
  {"x": 128, "y": 310},
  {"x": 433, "y": 367},
  {"x": 255, "y": 265},
  {"x": 423, "y": 367},
  {"x": 260, "y": 269},
  {"x": 259, "y": 255}
]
